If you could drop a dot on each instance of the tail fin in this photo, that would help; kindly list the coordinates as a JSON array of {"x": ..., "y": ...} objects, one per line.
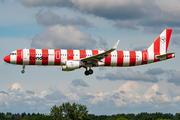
[{"x": 161, "y": 44}]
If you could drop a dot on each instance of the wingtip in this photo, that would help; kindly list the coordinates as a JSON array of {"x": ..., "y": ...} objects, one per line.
[{"x": 115, "y": 46}]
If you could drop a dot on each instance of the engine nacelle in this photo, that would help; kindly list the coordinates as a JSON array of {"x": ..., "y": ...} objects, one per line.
[{"x": 71, "y": 65}]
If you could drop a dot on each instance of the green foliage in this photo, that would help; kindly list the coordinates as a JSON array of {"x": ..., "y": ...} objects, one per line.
[
  {"x": 162, "y": 119},
  {"x": 75, "y": 111},
  {"x": 38, "y": 117},
  {"x": 121, "y": 118},
  {"x": 67, "y": 112}
]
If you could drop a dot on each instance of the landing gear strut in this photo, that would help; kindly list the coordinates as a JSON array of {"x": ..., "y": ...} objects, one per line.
[
  {"x": 88, "y": 72},
  {"x": 23, "y": 71}
]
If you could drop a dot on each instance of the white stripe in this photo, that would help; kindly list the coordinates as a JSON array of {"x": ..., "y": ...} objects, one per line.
[
  {"x": 114, "y": 58},
  {"x": 38, "y": 54},
  {"x": 151, "y": 54},
  {"x": 138, "y": 57},
  {"x": 64, "y": 56},
  {"x": 26, "y": 57},
  {"x": 126, "y": 58},
  {"x": 76, "y": 54},
  {"x": 51, "y": 57},
  {"x": 101, "y": 63},
  {"x": 13, "y": 58},
  {"x": 163, "y": 44},
  {"x": 88, "y": 52}
]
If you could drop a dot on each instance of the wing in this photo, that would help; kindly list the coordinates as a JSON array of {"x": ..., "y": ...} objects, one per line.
[{"x": 99, "y": 57}]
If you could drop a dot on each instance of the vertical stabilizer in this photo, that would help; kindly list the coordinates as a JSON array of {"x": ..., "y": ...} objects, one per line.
[{"x": 161, "y": 44}]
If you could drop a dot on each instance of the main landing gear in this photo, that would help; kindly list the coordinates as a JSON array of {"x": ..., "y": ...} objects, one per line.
[
  {"x": 88, "y": 72},
  {"x": 23, "y": 71}
]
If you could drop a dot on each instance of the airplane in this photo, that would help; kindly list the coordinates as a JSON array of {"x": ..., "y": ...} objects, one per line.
[{"x": 70, "y": 60}]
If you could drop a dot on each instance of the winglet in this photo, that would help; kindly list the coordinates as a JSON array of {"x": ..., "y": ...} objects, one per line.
[{"x": 115, "y": 46}]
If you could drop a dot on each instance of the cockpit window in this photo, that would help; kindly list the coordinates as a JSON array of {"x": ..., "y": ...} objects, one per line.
[{"x": 12, "y": 54}]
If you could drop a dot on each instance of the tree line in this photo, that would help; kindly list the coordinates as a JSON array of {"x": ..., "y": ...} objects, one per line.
[{"x": 75, "y": 111}]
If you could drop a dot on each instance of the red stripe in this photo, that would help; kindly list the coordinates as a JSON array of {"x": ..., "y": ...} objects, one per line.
[
  {"x": 32, "y": 54},
  {"x": 44, "y": 57},
  {"x": 156, "y": 49},
  {"x": 95, "y": 52},
  {"x": 107, "y": 61},
  {"x": 19, "y": 57},
  {"x": 70, "y": 55},
  {"x": 169, "y": 56},
  {"x": 7, "y": 59},
  {"x": 144, "y": 57},
  {"x": 120, "y": 58},
  {"x": 168, "y": 35},
  {"x": 157, "y": 46},
  {"x": 57, "y": 57},
  {"x": 82, "y": 53},
  {"x": 132, "y": 58}
]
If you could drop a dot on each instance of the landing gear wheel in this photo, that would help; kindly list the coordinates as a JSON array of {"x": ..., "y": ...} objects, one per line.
[
  {"x": 23, "y": 71},
  {"x": 90, "y": 71},
  {"x": 86, "y": 73}
]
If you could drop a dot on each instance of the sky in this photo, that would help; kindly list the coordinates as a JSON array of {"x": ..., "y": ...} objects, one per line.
[{"x": 87, "y": 24}]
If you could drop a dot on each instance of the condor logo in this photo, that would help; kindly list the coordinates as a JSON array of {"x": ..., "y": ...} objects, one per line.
[{"x": 38, "y": 58}]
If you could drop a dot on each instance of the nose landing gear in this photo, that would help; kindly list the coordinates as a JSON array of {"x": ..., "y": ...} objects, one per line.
[
  {"x": 23, "y": 71},
  {"x": 88, "y": 72}
]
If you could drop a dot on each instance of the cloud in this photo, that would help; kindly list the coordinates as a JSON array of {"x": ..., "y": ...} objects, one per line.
[
  {"x": 116, "y": 96},
  {"x": 176, "y": 41},
  {"x": 116, "y": 9},
  {"x": 52, "y": 3},
  {"x": 174, "y": 77},
  {"x": 155, "y": 71},
  {"x": 130, "y": 95},
  {"x": 128, "y": 74},
  {"x": 87, "y": 97},
  {"x": 153, "y": 16},
  {"x": 125, "y": 24},
  {"x": 64, "y": 37},
  {"x": 53, "y": 88},
  {"x": 79, "y": 82},
  {"x": 142, "y": 48},
  {"x": 158, "y": 93},
  {"x": 57, "y": 95},
  {"x": 48, "y": 18},
  {"x": 103, "y": 43},
  {"x": 16, "y": 88},
  {"x": 29, "y": 92},
  {"x": 3, "y": 92}
]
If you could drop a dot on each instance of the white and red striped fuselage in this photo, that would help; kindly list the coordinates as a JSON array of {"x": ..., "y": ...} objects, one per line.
[
  {"x": 75, "y": 59},
  {"x": 60, "y": 56}
]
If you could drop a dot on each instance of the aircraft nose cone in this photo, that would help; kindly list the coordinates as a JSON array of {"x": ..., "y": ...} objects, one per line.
[{"x": 7, "y": 59}]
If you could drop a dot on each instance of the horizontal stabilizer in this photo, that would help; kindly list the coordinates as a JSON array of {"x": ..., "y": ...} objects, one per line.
[{"x": 162, "y": 56}]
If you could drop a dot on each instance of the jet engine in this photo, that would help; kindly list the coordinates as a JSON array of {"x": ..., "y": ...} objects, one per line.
[{"x": 72, "y": 65}]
